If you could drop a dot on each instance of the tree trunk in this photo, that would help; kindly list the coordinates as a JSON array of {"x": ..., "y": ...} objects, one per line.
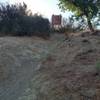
[
  {"x": 90, "y": 25},
  {"x": 88, "y": 21}
]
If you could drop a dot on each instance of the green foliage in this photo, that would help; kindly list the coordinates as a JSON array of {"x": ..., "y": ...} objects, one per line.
[
  {"x": 80, "y": 7},
  {"x": 87, "y": 8},
  {"x": 18, "y": 20},
  {"x": 67, "y": 5},
  {"x": 98, "y": 67}
]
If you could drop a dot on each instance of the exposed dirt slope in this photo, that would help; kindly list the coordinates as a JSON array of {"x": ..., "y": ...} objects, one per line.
[
  {"x": 69, "y": 73},
  {"x": 36, "y": 69}
]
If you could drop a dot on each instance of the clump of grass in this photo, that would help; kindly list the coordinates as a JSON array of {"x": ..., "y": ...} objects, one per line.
[{"x": 98, "y": 67}]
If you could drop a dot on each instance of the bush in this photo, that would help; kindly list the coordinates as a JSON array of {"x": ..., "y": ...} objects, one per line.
[
  {"x": 18, "y": 20},
  {"x": 98, "y": 67}
]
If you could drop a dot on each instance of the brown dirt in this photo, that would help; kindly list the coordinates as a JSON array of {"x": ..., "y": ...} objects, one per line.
[
  {"x": 74, "y": 66},
  {"x": 63, "y": 72}
]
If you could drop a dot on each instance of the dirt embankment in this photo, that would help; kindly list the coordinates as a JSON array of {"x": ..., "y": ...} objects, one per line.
[{"x": 50, "y": 69}]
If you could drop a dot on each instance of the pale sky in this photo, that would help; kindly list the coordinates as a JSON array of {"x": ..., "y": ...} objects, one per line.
[{"x": 44, "y": 7}]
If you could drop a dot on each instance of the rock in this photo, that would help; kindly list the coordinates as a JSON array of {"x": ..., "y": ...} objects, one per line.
[
  {"x": 96, "y": 33},
  {"x": 89, "y": 93},
  {"x": 85, "y": 41},
  {"x": 85, "y": 34}
]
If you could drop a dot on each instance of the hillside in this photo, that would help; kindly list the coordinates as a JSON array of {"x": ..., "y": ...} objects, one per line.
[{"x": 56, "y": 69}]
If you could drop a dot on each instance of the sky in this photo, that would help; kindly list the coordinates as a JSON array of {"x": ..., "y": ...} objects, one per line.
[{"x": 44, "y": 7}]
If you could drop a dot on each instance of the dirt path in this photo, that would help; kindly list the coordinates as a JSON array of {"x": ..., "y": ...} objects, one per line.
[
  {"x": 19, "y": 60},
  {"x": 68, "y": 73},
  {"x": 37, "y": 69}
]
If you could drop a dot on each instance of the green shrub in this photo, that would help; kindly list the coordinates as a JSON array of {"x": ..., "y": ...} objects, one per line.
[
  {"x": 98, "y": 67},
  {"x": 16, "y": 19}
]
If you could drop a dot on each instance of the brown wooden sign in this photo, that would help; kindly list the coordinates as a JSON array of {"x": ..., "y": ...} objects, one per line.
[{"x": 56, "y": 19}]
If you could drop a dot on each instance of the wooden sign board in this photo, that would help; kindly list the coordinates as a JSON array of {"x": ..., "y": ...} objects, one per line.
[{"x": 56, "y": 19}]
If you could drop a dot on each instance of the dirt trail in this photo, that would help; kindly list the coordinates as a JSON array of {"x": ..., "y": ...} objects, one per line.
[
  {"x": 19, "y": 59},
  {"x": 69, "y": 72},
  {"x": 37, "y": 69}
]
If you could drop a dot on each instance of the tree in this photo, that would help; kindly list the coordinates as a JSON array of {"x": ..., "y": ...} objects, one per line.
[
  {"x": 10, "y": 15},
  {"x": 16, "y": 19},
  {"x": 88, "y": 8}
]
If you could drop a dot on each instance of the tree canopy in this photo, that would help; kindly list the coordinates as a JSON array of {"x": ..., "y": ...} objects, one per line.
[{"x": 88, "y": 8}]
